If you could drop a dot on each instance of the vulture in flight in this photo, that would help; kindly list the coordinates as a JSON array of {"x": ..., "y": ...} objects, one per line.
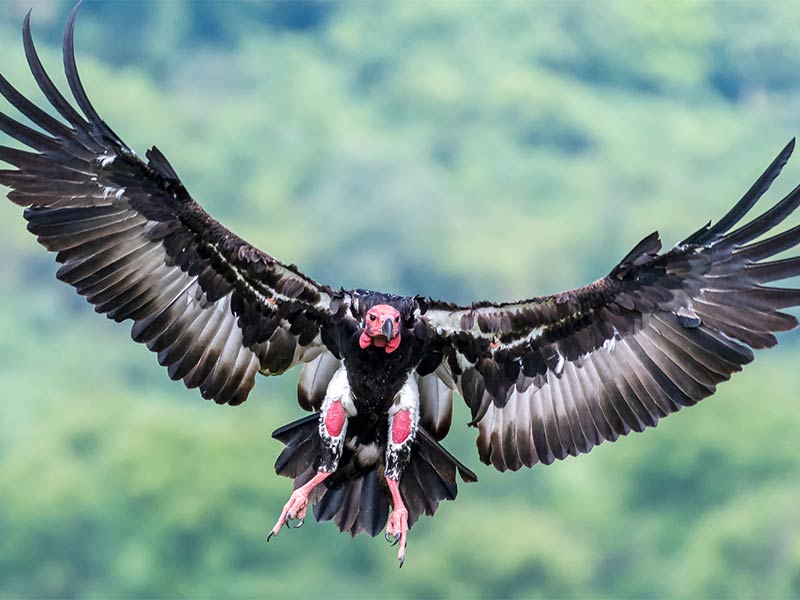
[{"x": 544, "y": 378}]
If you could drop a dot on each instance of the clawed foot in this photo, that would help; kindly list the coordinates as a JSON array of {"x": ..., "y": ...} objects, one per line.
[
  {"x": 294, "y": 509},
  {"x": 397, "y": 532}
]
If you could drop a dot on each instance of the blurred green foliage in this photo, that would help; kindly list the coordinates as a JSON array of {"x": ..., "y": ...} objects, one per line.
[{"x": 523, "y": 147}]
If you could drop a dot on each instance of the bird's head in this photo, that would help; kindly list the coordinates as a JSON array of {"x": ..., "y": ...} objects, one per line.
[{"x": 381, "y": 328}]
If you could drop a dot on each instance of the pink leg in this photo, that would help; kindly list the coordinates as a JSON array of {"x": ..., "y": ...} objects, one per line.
[
  {"x": 332, "y": 425},
  {"x": 296, "y": 507},
  {"x": 399, "y": 442},
  {"x": 398, "y": 520},
  {"x": 331, "y": 429}
]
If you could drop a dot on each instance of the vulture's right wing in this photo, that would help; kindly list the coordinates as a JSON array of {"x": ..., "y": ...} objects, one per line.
[{"x": 134, "y": 243}]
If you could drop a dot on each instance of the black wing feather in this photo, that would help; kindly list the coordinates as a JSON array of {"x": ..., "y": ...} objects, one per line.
[
  {"x": 75, "y": 85},
  {"x": 46, "y": 84}
]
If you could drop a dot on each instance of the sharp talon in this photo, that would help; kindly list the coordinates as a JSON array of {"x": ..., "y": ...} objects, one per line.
[
  {"x": 389, "y": 537},
  {"x": 294, "y": 513},
  {"x": 396, "y": 540},
  {"x": 269, "y": 536},
  {"x": 402, "y": 562}
]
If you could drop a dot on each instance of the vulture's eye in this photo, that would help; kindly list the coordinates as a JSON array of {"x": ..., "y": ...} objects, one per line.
[
  {"x": 397, "y": 319},
  {"x": 372, "y": 317}
]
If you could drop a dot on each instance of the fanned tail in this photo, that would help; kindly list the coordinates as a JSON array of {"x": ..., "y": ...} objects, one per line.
[{"x": 356, "y": 496}]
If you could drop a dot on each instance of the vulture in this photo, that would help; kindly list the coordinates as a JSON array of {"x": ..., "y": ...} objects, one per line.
[{"x": 543, "y": 378}]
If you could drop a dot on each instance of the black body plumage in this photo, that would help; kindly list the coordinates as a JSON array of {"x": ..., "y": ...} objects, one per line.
[{"x": 375, "y": 375}]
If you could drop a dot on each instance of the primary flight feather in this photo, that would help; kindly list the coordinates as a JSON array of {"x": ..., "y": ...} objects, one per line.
[{"x": 544, "y": 378}]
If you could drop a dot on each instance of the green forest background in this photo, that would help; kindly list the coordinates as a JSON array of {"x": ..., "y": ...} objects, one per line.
[{"x": 524, "y": 147}]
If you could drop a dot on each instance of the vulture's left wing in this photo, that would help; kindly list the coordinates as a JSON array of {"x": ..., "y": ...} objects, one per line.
[
  {"x": 555, "y": 376},
  {"x": 136, "y": 245}
]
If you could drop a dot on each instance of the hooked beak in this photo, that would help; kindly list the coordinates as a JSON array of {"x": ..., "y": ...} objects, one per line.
[{"x": 388, "y": 328}]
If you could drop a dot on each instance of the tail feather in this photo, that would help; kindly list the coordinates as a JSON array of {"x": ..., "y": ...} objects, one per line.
[
  {"x": 374, "y": 505},
  {"x": 437, "y": 455},
  {"x": 356, "y": 497},
  {"x": 302, "y": 447},
  {"x": 288, "y": 432},
  {"x": 414, "y": 495},
  {"x": 330, "y": 503},
  {"x": 347, "y": 518},
  {"x": 430, "y": 477},
  {"x": 296, "y": 463}
]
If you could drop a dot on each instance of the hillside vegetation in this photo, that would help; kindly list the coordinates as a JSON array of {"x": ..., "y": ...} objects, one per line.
[{"x": 521, "y": 148}]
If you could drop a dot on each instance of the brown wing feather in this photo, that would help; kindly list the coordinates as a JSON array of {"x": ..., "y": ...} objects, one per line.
[
  {"x": 131, "y": 240},
  {"x": 550, "y": 377}
]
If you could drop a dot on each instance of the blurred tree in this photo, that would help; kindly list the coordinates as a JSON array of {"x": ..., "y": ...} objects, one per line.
[{"x": 525, "y": 146}]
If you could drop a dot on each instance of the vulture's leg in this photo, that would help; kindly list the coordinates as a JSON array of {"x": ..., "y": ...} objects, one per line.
[
  {"x": 403, "y": 420},
  {"x": 336, "y": 408}
]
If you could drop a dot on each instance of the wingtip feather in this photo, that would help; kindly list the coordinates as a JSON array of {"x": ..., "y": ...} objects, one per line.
[
  {"x": 743, "y": 206},
  {"x": 76, "y": 86}
]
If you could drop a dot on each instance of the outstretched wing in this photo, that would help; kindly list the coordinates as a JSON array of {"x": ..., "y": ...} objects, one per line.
[
  {"x": 555, "y": 376},
  {"x": 135, "y": 244}
]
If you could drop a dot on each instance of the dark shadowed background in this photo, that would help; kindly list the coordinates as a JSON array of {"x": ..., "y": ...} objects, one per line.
[{"x": 521, "y": 148}]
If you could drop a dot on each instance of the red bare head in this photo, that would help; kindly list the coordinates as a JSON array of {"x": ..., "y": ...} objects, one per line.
[{"x": 381, "y": 328}]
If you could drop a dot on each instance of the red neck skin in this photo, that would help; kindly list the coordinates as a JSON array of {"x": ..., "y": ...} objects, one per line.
[{"x": 365, "y": 340}]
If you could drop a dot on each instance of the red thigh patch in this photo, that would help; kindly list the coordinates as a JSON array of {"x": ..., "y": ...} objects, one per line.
[
  {"x": 334, "y": 419},
  {"x": 401, "y": 427}
]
